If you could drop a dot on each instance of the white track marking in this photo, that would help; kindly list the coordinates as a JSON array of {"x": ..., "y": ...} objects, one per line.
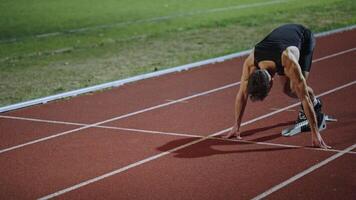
[
  {"x": 303, "y": 173},
  {"x": 153, "y": 108},
  {"x": 191, "y": 135},
  {"x": 150, "y": 20},
  {"x": 144, "y": 76},
  {"x": 122, "y": 169},
  {"x": 298, "y": 147},
  {"x": 112, "y": 173},
  {"x": 279, "y": 145},
  {"x": 42, "y": 120},
  {"x": 290, "y": 110},
  {"x": 118, "y": 117},
  {"x": 100, "y": 126},
  {"x": 333, "y": 55},
  {"x": 169, "y": 100}
]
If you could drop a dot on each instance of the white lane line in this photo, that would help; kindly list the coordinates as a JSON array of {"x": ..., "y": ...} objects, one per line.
[
  {"x": 118, "y": 117},
  {"x": 333, "y": 55},
  {"x": 295, "y": 146},
  {"x": 145, "y": 110},
  {"x": 100, "y": 126},
  {"x": 290, "y": 110},
  {"x": 280, "y": 145},
  {"x": 149, "y": 20},
  {"x": 42, "y": 120},
  {"x": 112, "y": 173},
  {"x": 74, "y": 187},
  {"x": 191, "y": 135},
  {"x": 169, "y": 100},
  {"x": 303, "y": 173}
]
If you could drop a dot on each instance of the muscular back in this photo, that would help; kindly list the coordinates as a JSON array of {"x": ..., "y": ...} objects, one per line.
[{"x": 273, "y": 45}]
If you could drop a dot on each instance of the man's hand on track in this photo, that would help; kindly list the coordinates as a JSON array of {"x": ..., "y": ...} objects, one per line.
[
  {"x": 319, "y": 142},
  {"x": 234, "y": 132}
]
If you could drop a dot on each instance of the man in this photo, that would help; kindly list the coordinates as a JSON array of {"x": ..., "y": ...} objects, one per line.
[{"x": 286, "y": 51}]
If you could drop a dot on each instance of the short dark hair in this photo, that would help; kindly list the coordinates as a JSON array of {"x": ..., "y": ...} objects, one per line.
[{"x": 258, "y": 85}]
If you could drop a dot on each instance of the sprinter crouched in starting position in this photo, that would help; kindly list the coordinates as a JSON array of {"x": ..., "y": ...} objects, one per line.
[{"x": 286, "y": 51}]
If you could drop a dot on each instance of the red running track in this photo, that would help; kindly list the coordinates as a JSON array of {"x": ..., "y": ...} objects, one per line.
[{"x": 138, "y": 142}]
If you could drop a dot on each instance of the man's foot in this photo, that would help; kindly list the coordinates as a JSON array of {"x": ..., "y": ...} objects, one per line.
[
  {"x": 302, "y": 123},
  {"x": 301, "y": 117},
  {"x": 321, "y": 123},
  {"x": 303, "y": 126},
  {"x": 317, "y": 108}
]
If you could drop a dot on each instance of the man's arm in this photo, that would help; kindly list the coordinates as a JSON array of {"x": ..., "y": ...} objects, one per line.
[
  {"x": 242, "y": 96},
  {"x": 299, "y": 86}
]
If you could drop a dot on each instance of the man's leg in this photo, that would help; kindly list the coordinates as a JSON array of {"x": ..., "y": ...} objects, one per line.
[
  {"x": 316, "y": 102},
  {"x": 301, "y": 124},
  {"x": 305, "y": 61},
  {"x": 287, "y": 90},
  {"x": 310, "y": 90}
]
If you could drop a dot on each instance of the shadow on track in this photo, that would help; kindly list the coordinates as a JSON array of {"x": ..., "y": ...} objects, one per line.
[
  {"x": 257, "y": 130},
  {"x": 218, "y": 146}
]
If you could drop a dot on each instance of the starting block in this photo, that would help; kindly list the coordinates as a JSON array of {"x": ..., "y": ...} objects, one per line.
[{"x": 304, "y": 126}]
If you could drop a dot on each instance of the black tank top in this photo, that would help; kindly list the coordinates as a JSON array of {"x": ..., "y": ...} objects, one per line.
[{"x": 273, "y": 45}]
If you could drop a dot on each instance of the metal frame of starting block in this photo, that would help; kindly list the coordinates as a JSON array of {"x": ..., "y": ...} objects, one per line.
[{"x": 297, "y": 128}]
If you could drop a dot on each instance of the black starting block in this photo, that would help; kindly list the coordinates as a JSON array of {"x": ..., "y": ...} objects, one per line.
[{"x": 304, "y": 126}]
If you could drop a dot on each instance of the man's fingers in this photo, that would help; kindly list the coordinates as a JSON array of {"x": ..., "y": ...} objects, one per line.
[
  {"x": 325, "y": 146},
  {"x": 230, "y": 135},
  {"x": 321, "y": 144}
]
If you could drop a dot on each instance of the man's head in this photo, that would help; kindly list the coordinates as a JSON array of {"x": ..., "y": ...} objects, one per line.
[{"x": 259, "y": 84}]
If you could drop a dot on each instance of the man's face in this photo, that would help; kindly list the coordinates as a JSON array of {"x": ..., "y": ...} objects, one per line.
[{"x": 269, "y": 78}]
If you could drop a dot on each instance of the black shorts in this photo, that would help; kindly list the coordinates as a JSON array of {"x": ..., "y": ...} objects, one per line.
[{"x": 306, "y": 53}]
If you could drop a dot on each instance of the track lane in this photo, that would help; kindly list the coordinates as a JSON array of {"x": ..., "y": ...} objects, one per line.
[
  {"x": 29, "y": 173},
  {"x": 199, "y": 171},
  {"x": 211, "y": 169},
  {"x": 84, "y": 142},
  {"x": 336, "y": 181},
  {"x": 15, "y": 132}
]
